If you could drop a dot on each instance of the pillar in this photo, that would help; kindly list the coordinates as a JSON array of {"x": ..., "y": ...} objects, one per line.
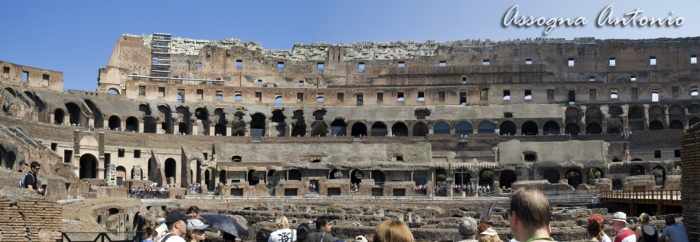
[{"x": 140, "y": 127}]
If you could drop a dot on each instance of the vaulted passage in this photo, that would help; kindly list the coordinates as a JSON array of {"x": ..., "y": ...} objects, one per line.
[
  {"x": 338, "y": 127},
  {"x": 574, "y": 177},
  {"x": 203, "y": 116},
  {"x": 58, "y": 115},
  {"x": 464, "y": 128},
  {"x": 319, "y": 128},
  {"x": 379, "y": 129},
  {"x": 507, "y": 178},
  {"x": 115, "y": 122},
  {"x": 75, "y": 114},
  {"x": 550, "y": 128},
  {"x": 486, "y": 127},
  {"x": 420, "y": 129},
  {"x": 656, "y": 125},
  {"x": 594, "y": 128},
  {"x": 399, "y": 129},
  {"x": 132, "y": 124},
  {"x": 88, "y": 166},
  {"x": 507, "y": 128},
  {"x": 530, "y": 128},
  {"x": 278, "y": 123},
  {"x": 358, "y": 129},
  {"x": 171, "y": 169},
  {"x": 257, "y": 125},
  {"x": 441, "y": 128},
  {"x": 552, "y": 176}
]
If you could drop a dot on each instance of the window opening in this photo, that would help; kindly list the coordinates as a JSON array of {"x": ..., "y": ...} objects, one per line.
[
  {"x": 528, "y": 94},
  {"x": 400, "y": 97},
  {"x": 239, "y": 64},
  {"x": 506, "y": 95},
  {"x": 652, "y": 61},
  {"x": 612, "y": 62},
  {"x": 571, "y": 62},
  {"x": 421, "y": 96},
  {"x": 528, "y": 61}
]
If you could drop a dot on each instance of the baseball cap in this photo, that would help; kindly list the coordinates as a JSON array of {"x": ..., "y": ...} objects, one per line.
[
  {"x": 197, "y": 224},
  {"x": 596, "y": 217},
  {"x": 360, "y": 239},
  {"x": 620, "y": 216},
  {"x": 175, "y": 216}
]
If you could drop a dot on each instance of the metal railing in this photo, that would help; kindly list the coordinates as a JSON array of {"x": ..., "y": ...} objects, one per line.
[
  {"x": 101, "y": 236},
  {"x": 671, "y": 195}
]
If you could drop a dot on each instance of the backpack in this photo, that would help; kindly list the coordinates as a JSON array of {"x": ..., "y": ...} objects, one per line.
[{"x": 23, "y": 181}]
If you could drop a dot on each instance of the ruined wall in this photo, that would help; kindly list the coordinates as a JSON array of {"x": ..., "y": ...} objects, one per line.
[
  {"x": 29, "y": 219},
  {"x": 31, "y": 77},
  {"x": 689, "y": 183}
]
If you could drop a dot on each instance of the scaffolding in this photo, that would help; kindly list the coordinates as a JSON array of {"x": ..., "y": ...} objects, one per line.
[{"x": 160, "y": 55}]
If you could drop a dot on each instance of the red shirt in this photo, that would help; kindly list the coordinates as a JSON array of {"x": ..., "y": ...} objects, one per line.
[{"x": 626, "y": 235}]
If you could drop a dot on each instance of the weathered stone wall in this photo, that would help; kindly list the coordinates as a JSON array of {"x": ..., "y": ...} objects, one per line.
[
  {"x": 29, "y": 219},
  {"x": 689, "y": 184},
  {"x": 35, "y": 78}
]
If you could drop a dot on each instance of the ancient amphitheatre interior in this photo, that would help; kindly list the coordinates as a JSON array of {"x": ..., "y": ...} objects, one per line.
[{"x": 575, "y": 118}]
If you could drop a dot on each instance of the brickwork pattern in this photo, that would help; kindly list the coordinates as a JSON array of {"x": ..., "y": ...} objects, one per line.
[
  {"x": 689, "y": 182},
  {"x": 32, "y": 219}
]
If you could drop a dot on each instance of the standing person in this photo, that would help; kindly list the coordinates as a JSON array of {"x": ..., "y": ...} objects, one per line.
[
  {"x": 283, "y": 233},
  {"x": 646, "y": 232},
  {"x": 195, "y": 231},
  {"x": 392, "y": 231},
  {"x": 323, "y": 231},
  {"x": 30, "y": 180},
  {"x": 594, "y": 229},
  {"x": 529, "y": 215},
  {"x": 177, "y": 227},
  {"x": 599, "y": 220},
  {"x": 674, "y": 232},
  {"x": 467, "y": 229},
  {"x": 148, "y": 232},
  {"x": 624, "y": 234}
]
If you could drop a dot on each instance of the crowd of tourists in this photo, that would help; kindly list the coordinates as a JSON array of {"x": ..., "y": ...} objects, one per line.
[
  {"x": 195, "y": 188},
  {"x": 149, "y": 191}
]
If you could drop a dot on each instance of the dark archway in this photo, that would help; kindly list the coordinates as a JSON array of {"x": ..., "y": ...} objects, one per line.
[
  {"x": 574, "y": 177},
  {"x": 676, "y": 124},
  {"x": 220, "y": 129},
  {"x": 202, "y": 115},
  {"x": 222, "y": 177},
  {"x": 464, "y": 128},
  {"x": 257, "y": 125},
  {"x": 420, "y": 177},
  {"x": 207, "y": 177},
  {"x": 656, "y": 125},
  {"x": 254, "y": 177},
  {"x": 273, "y": 178},
  {"x": 378, "y": 177},
  {"x": 299, "y": 130},
  {"x": 335, "y": 174},
  {"x": 486, "y": 178},
  {"x": 440, "y": 176},
  {"x": 486, "y": 127},
  {"x": 183, "y": 128},
  {"x": 75, "y": 113},
  {"x": 171, "y": 169},
  {"x": 236, "y": 158},
  {"x": 220, "y": 118},
  {"x": 462, "y": 176},
  {"x": 507, "y": 128},
  {"x": 10, "y": 160},
  {"x": 88, "y": 166},
  {"x": 572, "y": 129},
  {"x": 594, "y": 128},
  {"x": 294, "y": 175},
  {"x": 635, "y": 117},
  {"x": 165, "y": 117},
  {"x": 132, "y": 124},
  {"x": 441, "y": 128},
  {"x": 358, "y": 129},
  {"x": 530, "y": 128},
  {"x": 507, "y": 178},
  {"x": 637, "y": 171},
  {"x": 114, "y": 122},
  {"x": 319, "y": 128},
  {"x": 356, "y": 176},
  {"x": 550, "y": 128},
  {"x": 277, "y": 123},
  {"x": 58, "y": 115},
  {"x": 399, "y": 129},
  {"x": 593, "y": 115},
  {"x": 379, "y": 129},
  {"x": 552, "y": 176},
  {"x": 338, "y": 127},
  {"x": 420, "y": 129}
]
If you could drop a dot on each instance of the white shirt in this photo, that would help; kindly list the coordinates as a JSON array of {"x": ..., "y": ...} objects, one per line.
[
  {"x": 283, "y": 235},
  {"x": 173, "y": 238}
]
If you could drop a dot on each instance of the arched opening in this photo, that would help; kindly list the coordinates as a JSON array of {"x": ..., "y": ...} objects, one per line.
[
  {"x": 379, "y": 129},
  {"x": 185, "y": 124},
  {"x": 113, "y": 91},
  {"x": 486, "y": 178},
  {"x": 693, "y": 121},
  {"x": 530, "y": 128},
  {"x": 88, "y": 166},
  {"x": 358, "y": 129},
  {"x": 572, "y": 129},
  {"x": 257, "y": 125},
  {"x": 378, "y": 177},
  {"x": 207, "y": 178},
  {"x": 574, "y": 177},
  {"x": 594, "y": 128},
  {"x": 462, "y": 176},
  {"x": 166, "y": 117},
  {"x": 222, "y": 177},
  {"x": 614, "y": 126},
  {"x": 114, "y": 122},
  {"x": 617, "y": 184},
  {"x": 294, "y": 175},
  {"x": 571, "y": 115},
  {"x": 694, "y": 109},
  {"x": 132, "y": 124},
  {"x": 464, "y": 128},
  {"x": 253, "y": 177},
  {"x": 58, "y": 115},
  {"x": 203, "y": 116},
  {"x": 171, "y": 169},
  {"x": 318, "y": 115},
  {"x": 594, "y": 173},
  {"x": 144, "y": 109},
  {"x": 356, "y": 176},
  {"x": 637, "y": 159},
  {"x": 550, "y": 128},
  {"x": 198, "y": 172},
  {"x": 335, "y": 174},
  {"x": 273, "y": 178},
  {"x": 10, "y": 160},
  {"x": 75, "y": 113},
  {"x": 121, "y": 175},
  {"x": 399, "y": 129},
  {"x": 676, "y": 124},
  {"x": 299, "y": 130},
  {"x": 656, "y": 125},
  {"x": 552, "y": 176},
  {"x": 486, "y": 127},
  {"x": 220, "y": 129},
  {"x": 659, "y": 175},
  {"x": 236, "y": 158},
  {"x": 635, "y": 117},
  {"x": 319, "y": 129},
  {"x": 420, "y": 129},
  {"x": 420, "y": 177},
  {"x": 637, "y": 171},
  {"x": 507, "y": 128},
  {"x": 594, "y": 116},
  {"x": 615, "y": 111},
  {"x": 440, "y": 177},
  {"x": 507, "y": 178},
  {"x": 183, "y": 128},
  {"x": 441, "y": 128},
  {"x": 338, "y": 127}
]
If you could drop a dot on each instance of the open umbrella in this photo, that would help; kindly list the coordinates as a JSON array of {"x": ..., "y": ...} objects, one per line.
[{"x": 226, "y": 224}]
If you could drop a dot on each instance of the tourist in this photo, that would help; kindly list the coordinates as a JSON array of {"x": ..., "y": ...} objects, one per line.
[
  {"x": 594, "y": 229},
  {"x": 467, "y": 229},
  {"x": 360, "y": 238},
  {"x": 193, "y": 211},
  {"x": 529, "y": 215},
  {"x": 303, "y": 232},
  {"x": 323, "y": 231},
  {"x": 645, "y": 231},
  {"x": 674, "y": 232},
  {"x": 490, "y": 235},
  {"x": 602, "y": 237},
  {"x": 195, "y": 231},
  {"x": 482, "y": 227},
  {"x": 624, "y": 234},
  {"x": 177, "y": 227},
  {"x": 392, "y": 231},
  {"x": 148, "y": 233},
  {"x": 283, "y": 232},
  {"x": 30, "y": 180}
]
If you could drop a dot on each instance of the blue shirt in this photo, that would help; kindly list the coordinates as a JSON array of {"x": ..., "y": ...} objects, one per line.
[{"x": 676, "y": 233}]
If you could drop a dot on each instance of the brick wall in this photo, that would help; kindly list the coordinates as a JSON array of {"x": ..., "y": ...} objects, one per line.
[
  {"x": 690, "y": 182},
  {"x": 30, "y": 219}
]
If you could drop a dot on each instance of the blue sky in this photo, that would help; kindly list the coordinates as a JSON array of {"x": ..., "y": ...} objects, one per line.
[{"x": 77, "y": 37}]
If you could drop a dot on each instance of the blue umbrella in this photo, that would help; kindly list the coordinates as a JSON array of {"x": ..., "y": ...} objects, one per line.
[{"x": 226, "y": 224}]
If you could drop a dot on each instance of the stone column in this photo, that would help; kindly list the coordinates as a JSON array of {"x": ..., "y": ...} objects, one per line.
[
  {"x": 140, "y": 127},
  {"x": 646, "y": 116},
  {"x": 475, "y": 186}
]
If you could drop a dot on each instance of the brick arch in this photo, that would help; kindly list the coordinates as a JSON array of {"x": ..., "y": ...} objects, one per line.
[
  {"x": 572, "y": 115},
  {"x": 442, "y": 127},
  {"x": 419, "y": 129}
]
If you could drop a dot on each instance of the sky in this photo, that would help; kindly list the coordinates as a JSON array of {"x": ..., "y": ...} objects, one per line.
[{"x": 77, "y": 37}]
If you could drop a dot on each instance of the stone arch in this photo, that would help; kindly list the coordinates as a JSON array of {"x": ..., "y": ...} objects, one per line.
[
  {"x": 659, "y": 173},
  {"x": 236, "y": 158},
  {"x": 356, "y": 176},
  {"x": 277, "y": 121},
  {"x": 96, "y": 113},
  {"x": 294, "y": 175},
  {"x": 486, "y": 178},
  {"x": 615, "y": 126},
  {"x": 594, "y": 173},
  {"x": 462, "y": 176},
  {"x": 144, "y": 109},
  {"x": 486, "y": 127},
  {"x": 572, "y": 129},
  {"x": 319, "y": 114},
  {"x": 574, "y": 177},
  {"x": 170, "y": 169},
  {"x": 552, "y": 176},
  {"x": 338, "y": 127},
  {"x": 676, "y": 110},
  {"x": 167, "y": 123},
  {"x": 10, "y": 160},
  {"x": 273, "y": 177},
  {"x": 572, "y": 115},
  {"x": 11, "y": 91},
  {"x": 420, "y": 129},
  {"x": 594, "y": 128},
  {"x": 635, "y": 118},
  {"x": 441, "y": 128},
  {"x": 113, "y": 90},
  {"x": 550, "y": 128},
  {"x": 464, "y": 127},
  {"x": 656, "y": 125},
  {"x": 637, "y": 170},
  {"x": 676, "y": 124},
  {"x": 358, "y": 129},
  {"x": 507, "y": 178},
  {"x": 202, "y": 114},
  {"x": 378, "y": 177},
  {"x": 253, "y": 177},
  {"x": 694, "y": 109},
  {"x": 185, "y": 120},
  {"x": 319, "y": 128},
  {"x": 121, "y": 172},
  {"x": 257, "y": 123},
  {"x": 530, "y": 128},
  {"x": 399, "y": 129},
  {"x": 114, "y": 122},
  {"x": 58, "y": 116},
  {"x": 420, "y": 177},
  {"x": 615, "y": 111},
  {"x": 299, "y": 130},
  {"x": 88, "y": 166},
  {"x": 593, "y": 115},
  {"x": 238, "y": 126},
  {"x": 507, "y": 128},
  {"x": 75, "y": 113},
  {"x": 379, "y": 129},
  {"x": 656, "y": 111},
  {"x": 693, "y": 121},
  {"x": 335, "y": 174},
  {"x": 132, "y": 124}
]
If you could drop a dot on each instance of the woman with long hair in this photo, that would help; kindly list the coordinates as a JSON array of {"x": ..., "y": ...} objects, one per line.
[
  {"x": 148, "y": 233},
  {"x": 303, "y": 231},
  {"x": 646, "y": 232},
  {"x": 283, "y": 232},
  {"x": 195, "y": 231},
  {"x": 594, "y": 230},
  {"x": 392, "y": 231}
]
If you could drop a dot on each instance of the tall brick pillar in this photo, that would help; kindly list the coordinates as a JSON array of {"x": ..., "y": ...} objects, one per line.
[{"x": 690, "y": 182}]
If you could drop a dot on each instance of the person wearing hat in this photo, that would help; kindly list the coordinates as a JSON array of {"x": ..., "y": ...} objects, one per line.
[
  {"x": 360, "y": 238},
  {"x": 176, "y": 222},
  {"x": 195, "y": 231},
  {"x": 489, "y": 235},
  {"x": 598, "y": 220},
  {"x": 619, "y": 224},
  {"x": 467, "y": 229}
]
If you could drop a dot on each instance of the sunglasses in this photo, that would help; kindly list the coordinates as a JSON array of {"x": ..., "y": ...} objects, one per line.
[{"x": 197, "y": 231}]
